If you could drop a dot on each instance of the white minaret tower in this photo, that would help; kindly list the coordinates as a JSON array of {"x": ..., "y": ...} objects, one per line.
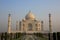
[
  {"x": 50, "y": 25},
  {"x": 50, "y": 28},
  {"x": 9, "y": 23}
]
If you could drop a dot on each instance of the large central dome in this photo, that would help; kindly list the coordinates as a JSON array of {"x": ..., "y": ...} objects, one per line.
[{"x": 30, "y": 16}]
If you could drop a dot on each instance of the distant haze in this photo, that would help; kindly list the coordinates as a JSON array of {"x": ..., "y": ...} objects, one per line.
[{"x": 40, "y": 8}]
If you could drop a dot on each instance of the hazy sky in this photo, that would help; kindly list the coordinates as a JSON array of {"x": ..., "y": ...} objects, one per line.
[{"x": 19, "y": 8}]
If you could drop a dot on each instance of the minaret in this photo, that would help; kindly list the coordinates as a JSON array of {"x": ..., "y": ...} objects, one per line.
[
  {"x": 41, "y": 25},
  {"x": 16, "y": 25},
  {"x": 50, "y": 25},
  {"x": 9, "y": 23},
  {"x": 50, "y": 28}
]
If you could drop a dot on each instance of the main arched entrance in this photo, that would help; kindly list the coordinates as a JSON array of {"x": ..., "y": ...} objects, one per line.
[{"x": 30, "y": 27}]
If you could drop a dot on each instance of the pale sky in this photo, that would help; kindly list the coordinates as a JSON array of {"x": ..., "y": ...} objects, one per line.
[{"x": 19, "y": 8}]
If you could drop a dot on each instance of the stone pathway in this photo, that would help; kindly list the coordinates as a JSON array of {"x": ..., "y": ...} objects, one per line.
[{"x": 29, "y": 37}]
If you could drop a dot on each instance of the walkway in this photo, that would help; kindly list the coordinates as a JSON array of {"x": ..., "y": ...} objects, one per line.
[{"x": 28, "y": 37}]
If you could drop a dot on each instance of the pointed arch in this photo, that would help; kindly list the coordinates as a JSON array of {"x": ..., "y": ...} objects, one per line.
[{"x": 30, "y": 27}]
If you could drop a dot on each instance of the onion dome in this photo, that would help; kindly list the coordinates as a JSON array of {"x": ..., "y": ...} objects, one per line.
[{"x": 30, "y": 16}]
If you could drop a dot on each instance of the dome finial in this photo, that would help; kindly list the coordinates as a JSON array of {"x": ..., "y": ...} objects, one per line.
[{"x": 29, "y": 11}]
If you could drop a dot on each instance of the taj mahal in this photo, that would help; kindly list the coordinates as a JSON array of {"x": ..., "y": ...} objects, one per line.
[{"x": 29, "y": 24}]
